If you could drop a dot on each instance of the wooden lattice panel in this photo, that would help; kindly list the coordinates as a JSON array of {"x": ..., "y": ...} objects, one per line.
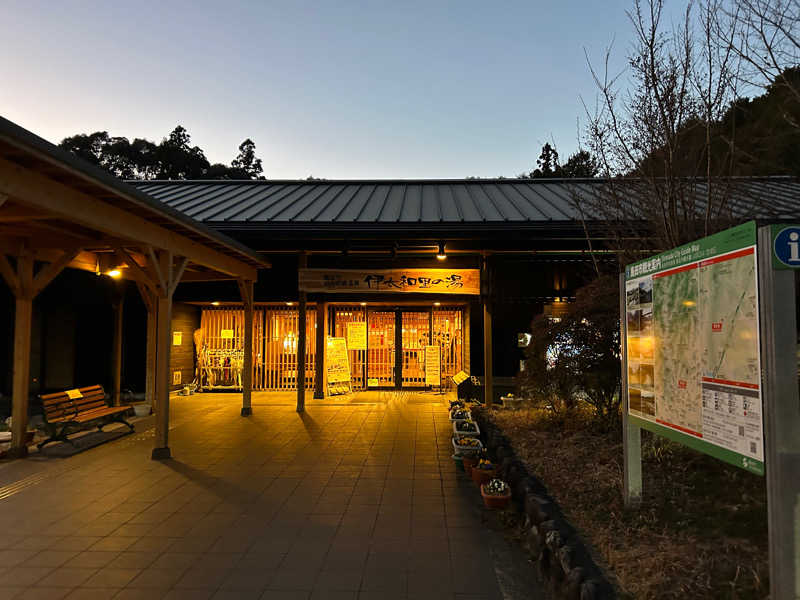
[
  {"x": 448, "y": 334},
  {"x": 380, "y": 344}
]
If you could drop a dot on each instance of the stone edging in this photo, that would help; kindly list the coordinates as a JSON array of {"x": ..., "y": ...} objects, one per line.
[{"x": 553, "y": 544}]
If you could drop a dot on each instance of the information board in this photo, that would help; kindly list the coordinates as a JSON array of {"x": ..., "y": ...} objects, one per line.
[
  {"x": 433, "y": 365},
  {"x": 692, "y": 350},
  {"x": 336, "y": 361},
  {"x": 357, "y": 335}
]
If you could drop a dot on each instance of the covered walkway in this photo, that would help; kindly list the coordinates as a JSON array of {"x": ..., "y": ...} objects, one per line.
[{"x": 348, "y": 500}]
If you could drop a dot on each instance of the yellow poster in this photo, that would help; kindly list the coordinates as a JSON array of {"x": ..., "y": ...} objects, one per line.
[
  {"x": 338, "y": 364},
  {"x": 177, "y": 338},
  {"x": 226, "y": 334},
  {"x": 433, "y": 366},
  {"x": 357, "y": 335}
]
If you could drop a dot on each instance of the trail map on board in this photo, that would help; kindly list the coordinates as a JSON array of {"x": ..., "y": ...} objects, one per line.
[{"x": 693, "y": 346}]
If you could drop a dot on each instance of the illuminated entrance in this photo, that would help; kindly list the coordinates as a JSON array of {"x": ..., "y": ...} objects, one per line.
[
  {"x": 409, "y": 328},
  {"x": 374, "y": 361}
]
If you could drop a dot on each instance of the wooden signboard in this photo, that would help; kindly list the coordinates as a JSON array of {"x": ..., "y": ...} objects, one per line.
[
  {"x": 381, "y": 281},
  {"x": 460, "y": 377},
  {"x": 357, "y": 335},
  {"x": 337, "y": 362},
  {"x": 433, "y": 365}
]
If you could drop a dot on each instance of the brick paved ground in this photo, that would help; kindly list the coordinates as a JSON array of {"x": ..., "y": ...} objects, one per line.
[{"x": 354, "y": 500}]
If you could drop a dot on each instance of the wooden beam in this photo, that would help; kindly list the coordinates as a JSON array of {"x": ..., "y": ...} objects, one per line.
[
  {"x": 9, "y": 274},
  {"x": 51, "y": 270},
  {"x": 153, "y": 264},
  {"x": 137, "y": 273},
  {"x": 147, "y": 296},
  {"x": 199, "y": 276},
  {"x": 177, "y": 274},
  {"x": 33, "y": 189}
]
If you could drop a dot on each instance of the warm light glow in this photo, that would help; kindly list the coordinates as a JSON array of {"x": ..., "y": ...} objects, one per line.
[
  {"x": 115, "y": 273},
  {"x": 363, "y": 304},
  {"x": 215, "y": 303},
  {"x": 689, "y": 303},
  {"x": 290, "y": 304},
  {"x": 441, "y": 254},
  {"x": 437, "y": 303}
]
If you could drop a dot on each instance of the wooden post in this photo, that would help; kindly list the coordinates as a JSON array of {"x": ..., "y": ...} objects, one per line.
[
  {"x": 162, "y": 380},
  {"x": 21, "y": 385},
  {"x": 148, "y": 298},
  {"x": 168, "y": 275},
  {"x": 246, "y": 290},
  {"x": 319, "y": 375},
  {"x": 301, "y": 343},
  {"x": 25, "y": 286},
  {"x": 22, "y": 356},
  {"x": 488, "y": 387},
  {"x": 116, "y": 350},
  {"x": 150, "y": 367}
]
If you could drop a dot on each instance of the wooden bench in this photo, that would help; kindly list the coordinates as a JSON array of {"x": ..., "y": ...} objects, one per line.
[{"x": 78, "y": 409}]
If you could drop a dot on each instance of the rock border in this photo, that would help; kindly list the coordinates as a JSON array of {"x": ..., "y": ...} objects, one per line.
[{"x": 552, "y": 543}]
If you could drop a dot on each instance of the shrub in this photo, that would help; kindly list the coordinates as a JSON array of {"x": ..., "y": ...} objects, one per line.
[{"x": 575, "y": 359}]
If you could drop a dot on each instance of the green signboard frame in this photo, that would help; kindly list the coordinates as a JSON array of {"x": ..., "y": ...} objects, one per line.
[{"x": 736, "y": 243}]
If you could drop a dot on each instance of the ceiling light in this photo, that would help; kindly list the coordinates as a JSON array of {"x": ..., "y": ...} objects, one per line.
[
  {"x": 115, "y": 273},
  {"x": 215, "y": 303}
]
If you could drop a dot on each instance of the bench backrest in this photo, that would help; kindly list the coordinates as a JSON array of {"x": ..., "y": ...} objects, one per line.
[{"x": 59, "y": 405}]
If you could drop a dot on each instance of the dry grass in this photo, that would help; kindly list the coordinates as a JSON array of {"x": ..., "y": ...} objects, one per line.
[{"x": 702, "y": 528}]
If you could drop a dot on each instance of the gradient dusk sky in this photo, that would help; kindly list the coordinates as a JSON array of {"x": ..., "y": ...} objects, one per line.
[{"x": 336, "y": 89}]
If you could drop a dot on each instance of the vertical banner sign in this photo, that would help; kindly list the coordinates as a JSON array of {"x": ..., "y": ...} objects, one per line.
[
  {"x": 337, "y": 362},
  {"x": 693, "y": 350},
  {"x": 357, "y": 335},
  {"x": 433, "y": 365}
]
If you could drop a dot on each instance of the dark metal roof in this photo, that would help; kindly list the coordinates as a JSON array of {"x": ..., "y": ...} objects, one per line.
[
  {"x": 445, "y": 202},
  {"x": 25, "y": 148}
]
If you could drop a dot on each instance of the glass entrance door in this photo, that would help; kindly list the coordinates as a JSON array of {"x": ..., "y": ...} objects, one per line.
[
  {"x": 416, "y": 329},
  {"x": 380, "y": 349}
]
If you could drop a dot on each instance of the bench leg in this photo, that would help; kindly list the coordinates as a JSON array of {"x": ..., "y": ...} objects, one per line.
[{"x": 56, "y": 436}]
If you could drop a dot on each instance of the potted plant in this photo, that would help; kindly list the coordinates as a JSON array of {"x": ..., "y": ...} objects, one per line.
[
  {"x": 496, "y": 494},
  {"x": 466, "y": 427},
  {"x": 483, "y": 471},
  {"x": 456, "y": 404},
  {"x": 465, "y": 444},
  {"x": 460, "y": 414}
]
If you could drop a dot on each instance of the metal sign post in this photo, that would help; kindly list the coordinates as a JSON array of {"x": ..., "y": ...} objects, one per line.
[
  {"x": 752, "y": 379},
  {"x": 631, "y": 432},
  {"x": 781, "y": 410}
]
